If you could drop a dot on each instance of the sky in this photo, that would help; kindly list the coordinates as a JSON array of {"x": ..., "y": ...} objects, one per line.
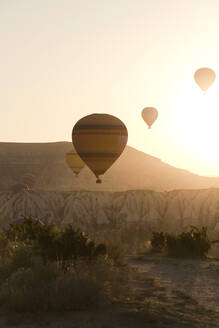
[{"x": 64, "y": 59}]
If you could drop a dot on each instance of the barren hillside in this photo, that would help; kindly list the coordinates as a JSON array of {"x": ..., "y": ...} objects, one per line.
[{"x": 133, "y": 170}]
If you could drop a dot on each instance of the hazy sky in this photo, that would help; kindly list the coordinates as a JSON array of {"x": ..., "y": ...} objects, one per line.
[{"x": 64, "y": 59}]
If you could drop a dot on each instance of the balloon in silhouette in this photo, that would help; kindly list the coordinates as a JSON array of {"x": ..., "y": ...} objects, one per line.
[
  {"x": 29, "y": 179},
  {"x": 74, "y": 162},
  {"x": 99, "y": 139},
  {"x": 204, "y": 77},
  {"x": 149, "y": 115}
]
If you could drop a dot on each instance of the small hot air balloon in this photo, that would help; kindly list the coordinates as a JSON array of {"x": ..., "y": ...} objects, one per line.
[
  {"x": 74, "y": 162},
  {"x": 29, "y": 179},
  {"x": 204, "y": 77},
  {"x": 99, "y": 139},
  {"x": 149, "y": 115}
]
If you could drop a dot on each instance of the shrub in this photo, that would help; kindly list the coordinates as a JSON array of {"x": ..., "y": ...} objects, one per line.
[
  {"x": 116, "y": 252},
  {"x": 5, "y": 246},
  {"x": 66, "y": 244},
  {"x": 192, "y": 243},
  {"x": 20, "y": 257},
  {"x": 48, "y": 268},
  {"x": 28, "y": 230},
  {"x": 157, "y": 241},
  {"x": 29, "y": 289},
  {"x": 53, "y": 243},
  {"x": 43, "y": 267},
  {"x": 44, "y": 287}
]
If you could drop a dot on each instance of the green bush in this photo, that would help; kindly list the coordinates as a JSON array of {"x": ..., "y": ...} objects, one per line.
[
  {"x": 48, "y": 268},
  {"x": 53, "y": 243},
  {"x": 157, "y": 241},
  {"x": 192, "y": 243},
  {"x": 25, "y": 231}
]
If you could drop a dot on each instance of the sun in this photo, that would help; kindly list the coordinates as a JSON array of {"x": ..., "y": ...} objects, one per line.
[{"x": 196, "y": 127}]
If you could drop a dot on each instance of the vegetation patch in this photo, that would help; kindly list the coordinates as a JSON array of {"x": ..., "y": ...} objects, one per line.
[
  {"x": 43, "y": 268},
  {"x": 192, "y": 243}
]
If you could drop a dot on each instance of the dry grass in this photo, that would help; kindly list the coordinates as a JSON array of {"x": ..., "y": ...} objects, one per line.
[{"x": 146, "y": 303}]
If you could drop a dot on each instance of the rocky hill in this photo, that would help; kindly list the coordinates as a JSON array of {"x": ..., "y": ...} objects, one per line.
[
  {"x": 133, "y": 170},
  {"x": 162, "y": 210}
]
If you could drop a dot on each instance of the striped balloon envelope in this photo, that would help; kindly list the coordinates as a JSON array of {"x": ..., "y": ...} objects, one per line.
[
  {"x": 99, "y": 140},
  {"x": 74, "y": 162}
]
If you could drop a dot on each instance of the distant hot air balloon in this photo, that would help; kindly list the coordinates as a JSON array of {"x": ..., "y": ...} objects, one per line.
[
  {"x": 74, "y": 162},
  {"x": 29, "y": 179},
  {"x": 149, "y": 115},
  {"x": 204, "y": 77},
  {"x": 99, "y": 139}
]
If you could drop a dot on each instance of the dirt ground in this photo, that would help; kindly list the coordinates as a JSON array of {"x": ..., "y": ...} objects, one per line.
[
  {"x": 161, "y": 293},
  {"x": 196, "y": 278}
]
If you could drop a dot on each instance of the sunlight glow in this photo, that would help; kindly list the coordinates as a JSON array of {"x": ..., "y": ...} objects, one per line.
[{"x": 196, "y": 125}]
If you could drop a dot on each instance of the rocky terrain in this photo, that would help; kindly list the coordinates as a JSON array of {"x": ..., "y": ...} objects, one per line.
[
  {"x": 162, "y": 210},
  {"x": 133, "y": 170},
  {"x": 137, "y": 189}
]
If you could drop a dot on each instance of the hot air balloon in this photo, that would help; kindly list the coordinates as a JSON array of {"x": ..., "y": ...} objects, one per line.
[
  {"x": 149, "y": 115},
  {"x": 29, "y": 179},
  {"x": 99, "y": 139},
  {"x": 204, "y": 77},
  {"x": 74, "y": 162}
]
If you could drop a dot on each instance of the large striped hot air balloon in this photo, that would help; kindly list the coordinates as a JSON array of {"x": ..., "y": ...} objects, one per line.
[
  {"x": 74, "y": 162},
  {"x": 99, "y": 139}
]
